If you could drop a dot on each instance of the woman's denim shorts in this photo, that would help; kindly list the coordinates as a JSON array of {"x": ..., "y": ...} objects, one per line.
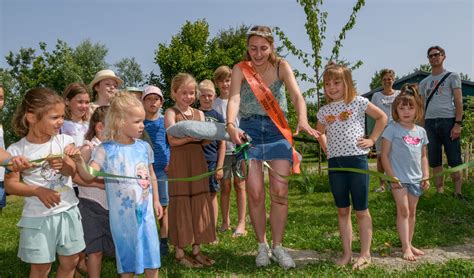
[
  {"x": 344, "y": 183},
  {"x": 267, "y": 141}
]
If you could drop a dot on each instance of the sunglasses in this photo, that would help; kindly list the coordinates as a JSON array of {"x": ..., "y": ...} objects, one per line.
[{"x": 437, "y": 54}]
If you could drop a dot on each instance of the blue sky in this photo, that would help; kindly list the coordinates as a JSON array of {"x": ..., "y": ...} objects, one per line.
[{"x": 388, "y": 33}]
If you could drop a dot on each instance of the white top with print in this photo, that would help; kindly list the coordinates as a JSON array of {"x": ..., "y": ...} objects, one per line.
[
  {"x": 345, "y": 124},
  {"x": 43, "y": 175}
]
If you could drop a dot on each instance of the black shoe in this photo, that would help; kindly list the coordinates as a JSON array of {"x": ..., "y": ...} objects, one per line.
[{"x": 460, "y": 197}]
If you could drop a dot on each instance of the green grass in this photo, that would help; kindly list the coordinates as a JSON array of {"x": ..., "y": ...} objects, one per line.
[{"x": 312, "y": 224}]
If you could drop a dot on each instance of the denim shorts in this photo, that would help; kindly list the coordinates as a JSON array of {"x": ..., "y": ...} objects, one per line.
[
  {"x": 42, "y": 237},
  {"x": 162, "y": 187},
  {"x": 267, "y": 141},
  {"x": 345, "y": 183},
  {"x": 3, "y": 195},
  {"x": 413, "y": 188},
  {"x": 213, "y": 183},
  {"x": 439, "y": 132}
]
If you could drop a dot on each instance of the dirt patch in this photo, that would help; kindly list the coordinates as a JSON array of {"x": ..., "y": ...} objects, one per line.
[{"x": 393, "y": 261}]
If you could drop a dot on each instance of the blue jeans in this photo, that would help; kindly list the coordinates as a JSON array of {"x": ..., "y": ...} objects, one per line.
[
  {"x": 3, "y": 195},
  {"x": 162, "y": 187},
  {"x": 344, "y": 183},
  {"x": 439, "y": 134}
]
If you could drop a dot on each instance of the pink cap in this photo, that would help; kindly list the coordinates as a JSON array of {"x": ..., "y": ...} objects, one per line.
[{"x": 152, "y": 90}]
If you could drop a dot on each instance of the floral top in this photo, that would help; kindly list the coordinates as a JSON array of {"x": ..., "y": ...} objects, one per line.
[{"x": 345, "y": 124}]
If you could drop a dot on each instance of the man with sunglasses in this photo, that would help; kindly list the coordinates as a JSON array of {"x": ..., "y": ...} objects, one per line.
[{"x": 443, "y": 118}]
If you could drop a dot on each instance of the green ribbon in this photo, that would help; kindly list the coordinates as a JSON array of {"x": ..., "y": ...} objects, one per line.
[
  {"x": 243, "y": 149},
  {"x": 8, "y": 164},
  {"x": 382, "y": 176}
]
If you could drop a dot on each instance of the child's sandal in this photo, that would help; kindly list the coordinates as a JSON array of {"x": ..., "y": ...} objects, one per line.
[
  {"x": 204, "y": 260},
  {"x": 187, "y": 261}
]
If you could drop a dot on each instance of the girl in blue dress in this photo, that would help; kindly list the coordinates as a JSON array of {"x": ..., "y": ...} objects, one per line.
[{"x": 131, "y": 201}]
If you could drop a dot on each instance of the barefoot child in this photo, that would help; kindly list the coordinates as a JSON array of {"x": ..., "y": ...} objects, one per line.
[
  {"x": 342, "y": 120},
  {"x": 50, "y": 221},
  {"x": 404, "y": 157},
  {"x": 215, "y": 151},
  {"x": 152, "y": 100},
  {"x": 93, "y": 202},
  {"x": 190, "y": 219},
  {"x": 222, "y": 79},
  {"x": 131, "y": 201}
]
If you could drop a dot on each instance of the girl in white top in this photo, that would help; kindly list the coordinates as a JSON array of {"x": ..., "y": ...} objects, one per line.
[
  {"x": 50, "y": 221},
  {"x": 404, "y": 156},
  {"x": 342, "y": 121}
]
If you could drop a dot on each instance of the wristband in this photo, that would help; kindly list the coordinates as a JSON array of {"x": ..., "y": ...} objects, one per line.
[
  {"x": 458, "y": 122},
  {"x": 229, "y": 123}
]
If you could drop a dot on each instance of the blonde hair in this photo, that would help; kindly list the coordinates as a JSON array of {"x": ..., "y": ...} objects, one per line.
[
  {"x": 222, "y": 73},
  {"x": 408, "y": 96},
  {"x": 71, "y": 91},
  {"x": 182, "y": 79},
  {"x": 335, "y": 71},
  {"x": 205, "y": 85},
  {"x": 37, "y": 101},
  {"x": 266, "y": 33},
  {"x": 119, "y": 109}
]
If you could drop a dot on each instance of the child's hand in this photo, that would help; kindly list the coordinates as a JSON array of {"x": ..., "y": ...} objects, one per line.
[
  {"x": 48, "y": 197},
  {"x": 364, "y": 143},
  {"x": 206, "y": 142},
  {"x": 158, "y": 209},
  {"x": 219, "y": 174},
  {"x": 56, "y": 162},
  {"x": 73, "y": 152},
  {"x": 425, "y": 184},
  {"x": 304, "y": 126},
  {"x": 20, "y": 163}
]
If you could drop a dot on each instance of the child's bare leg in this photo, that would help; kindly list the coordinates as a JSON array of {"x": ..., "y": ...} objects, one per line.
[
  {"x": 67, "y": 265},
  {"x": 256, "y": 199},
  {"x": 365, "y": 232},
  {"x": 345, "y": 230},
  {"x": 239, "y": 185},
  {"x": 151, "y": 272},
  {"x": 126, "y": 275},
  {"x": 380, "y": 170},
  {"x": 412, "y": 203},
  {"x": 164, "y": 223},
  {"x": 403, "y": 221},
  {"x": 40, "y": 270},
  {"x": 94, "y": 264},
  {"x": 214, "y": 207},
  {"x": 225, "y": 204}
]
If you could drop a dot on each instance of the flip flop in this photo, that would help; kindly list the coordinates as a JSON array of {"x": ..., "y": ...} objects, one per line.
[
  {"x": 239, "y": 234},
  {"x": 222, "y": 230},
  {"x": 362, "y": 263},
  {"x": 204, "y": 260},
  {"x": 187, "y": 261}
]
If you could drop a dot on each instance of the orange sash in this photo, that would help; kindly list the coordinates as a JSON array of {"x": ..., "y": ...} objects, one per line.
[{"x": 271, "y": 106}]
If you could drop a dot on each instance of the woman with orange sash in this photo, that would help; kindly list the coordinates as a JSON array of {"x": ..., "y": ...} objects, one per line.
[{"x": 257, "y": 92}]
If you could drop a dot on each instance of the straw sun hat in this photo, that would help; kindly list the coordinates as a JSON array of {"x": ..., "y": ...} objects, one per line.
[{"x": 104, "y": 74}]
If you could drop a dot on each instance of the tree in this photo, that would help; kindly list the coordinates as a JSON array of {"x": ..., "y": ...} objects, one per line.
[
  {"x": 54, "y": 69},
  {"x": 316, "y": 30},
  {"x": 130, "y": 72},
  {"x": 192, "y": 51}
]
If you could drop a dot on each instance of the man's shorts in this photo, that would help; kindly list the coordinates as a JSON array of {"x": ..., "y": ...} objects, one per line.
[
  {"x": 439, "y": 134},
  {"x": 42, "y": 237}
]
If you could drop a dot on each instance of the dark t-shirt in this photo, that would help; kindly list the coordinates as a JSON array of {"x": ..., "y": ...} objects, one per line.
[{"x": 210, "y": 150}]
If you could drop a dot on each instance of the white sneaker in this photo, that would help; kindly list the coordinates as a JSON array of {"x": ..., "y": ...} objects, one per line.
[
  {"x": 281, "y": 256},
  {"x": 263, "y": 256}
]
